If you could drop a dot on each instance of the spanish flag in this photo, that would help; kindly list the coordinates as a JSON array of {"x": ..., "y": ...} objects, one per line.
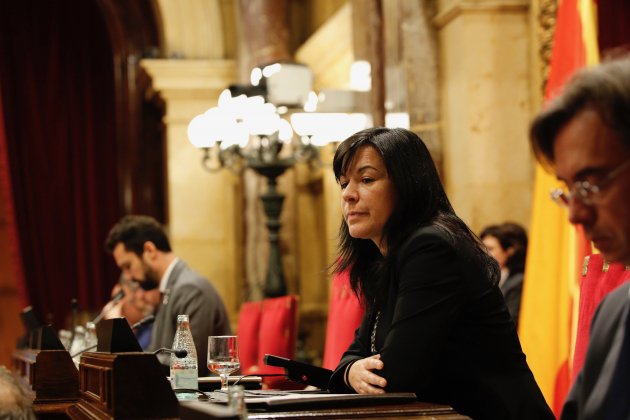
[{"x": 556, "y": 249}]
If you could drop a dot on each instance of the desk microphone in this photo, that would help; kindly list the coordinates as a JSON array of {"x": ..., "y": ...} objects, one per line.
[
  {"x": 144, "y": 321},
  {"x": 180, "y": 354},
  {"x": 74, "y": 306},
  {"x": 115, "y": 299}
]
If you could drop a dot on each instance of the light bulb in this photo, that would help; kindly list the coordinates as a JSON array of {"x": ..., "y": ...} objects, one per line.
[{"x": 200, "y": 132}]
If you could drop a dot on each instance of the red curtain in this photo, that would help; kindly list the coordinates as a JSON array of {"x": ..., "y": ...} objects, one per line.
[
  {"x": 6, "y": 197},
  {"x": 57, "y": 90},
  {"x": 614, "y": 30}
]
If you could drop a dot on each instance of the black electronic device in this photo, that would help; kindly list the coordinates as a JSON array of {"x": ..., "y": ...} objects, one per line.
[
  {"x": 31, "y": 323},
  {"x": 29, "y": 319},
  {"x": 115, "y": 336},
  {"x": 301, "y": 372},
  {"x": 48, "y": 339}
]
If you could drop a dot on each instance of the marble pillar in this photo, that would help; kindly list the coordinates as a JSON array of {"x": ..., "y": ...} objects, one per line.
[
  {"x": 204, "y": 209},
  {"x": 485, "y": 106}
]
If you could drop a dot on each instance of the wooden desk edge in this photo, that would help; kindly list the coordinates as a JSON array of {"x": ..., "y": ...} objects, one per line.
[{"x": 416, "y": 410}]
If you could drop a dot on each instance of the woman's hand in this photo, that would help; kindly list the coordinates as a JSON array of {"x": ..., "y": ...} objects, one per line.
[{"x": 362, "y": 379}]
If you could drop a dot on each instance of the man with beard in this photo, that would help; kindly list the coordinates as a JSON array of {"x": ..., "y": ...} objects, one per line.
[
  {"x": 142, "y": 251},
  {"x": 584, "y": 136}
]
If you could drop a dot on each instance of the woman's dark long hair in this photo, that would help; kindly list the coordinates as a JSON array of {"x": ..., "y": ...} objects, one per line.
[{"x": 420, "y": 201}]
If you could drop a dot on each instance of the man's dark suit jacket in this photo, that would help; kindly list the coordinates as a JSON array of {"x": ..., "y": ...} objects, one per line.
[
  {"x": 446, "y": 335},
  {"x": 191, "y": 294},
  {"x": 589, "y": 397}
]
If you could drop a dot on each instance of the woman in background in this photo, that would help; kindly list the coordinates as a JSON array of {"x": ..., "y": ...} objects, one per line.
[
  {"x": 507, "y": 243},
  {"x": 436, "y": 322}
]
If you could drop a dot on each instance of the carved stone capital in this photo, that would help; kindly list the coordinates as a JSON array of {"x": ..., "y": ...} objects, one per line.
[{"x": 450, "y": 10}]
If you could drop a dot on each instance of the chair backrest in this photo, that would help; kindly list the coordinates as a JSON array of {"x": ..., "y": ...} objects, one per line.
[
  {"x": 598, "y": 279},
  {"x": 248, "y": 330},
  {"x": 277, "y": 336},
  {"x": 278, "y": 330},
  {"x": 267, "y": 327},
  {"x": 344, "y": 316}
]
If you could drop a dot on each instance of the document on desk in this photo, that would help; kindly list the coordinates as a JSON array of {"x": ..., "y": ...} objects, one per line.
[{"x": 319, "y": 399}]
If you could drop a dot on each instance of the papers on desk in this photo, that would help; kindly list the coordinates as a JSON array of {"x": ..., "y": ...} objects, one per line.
[
  {"x": 303, "y": 399},
  {"x": 212, "y": 383},
  {"x": 231, "y": 379},
  {"x": 242, "y": 380}
]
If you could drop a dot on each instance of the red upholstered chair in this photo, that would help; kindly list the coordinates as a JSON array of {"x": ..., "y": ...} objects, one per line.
[
  {"x": 344, "y": 316},
  {"x": 248, "y": 329},
  {"x": 277, "y": 335},
  {"x": 598, "y": 279}
]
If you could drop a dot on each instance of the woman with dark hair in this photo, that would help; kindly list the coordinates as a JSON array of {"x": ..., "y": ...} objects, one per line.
[
  {"x": 435, "y": 323},
  {"x": 507, "y": 243}
]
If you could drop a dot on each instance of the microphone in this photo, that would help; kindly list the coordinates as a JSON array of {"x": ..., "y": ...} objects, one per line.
[
  {"x": 74, "y": 306},
  {"x": 180, "y": 354},
  {"x": 114, "y": 300},
  {"x": 118, "y": 296},
  {"x": 144, "y": 321}
]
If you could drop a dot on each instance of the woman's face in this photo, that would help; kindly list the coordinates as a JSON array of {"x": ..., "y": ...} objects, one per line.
[
  {"x": 367, "y": 196},
  {"x": 495, "y": 250}
]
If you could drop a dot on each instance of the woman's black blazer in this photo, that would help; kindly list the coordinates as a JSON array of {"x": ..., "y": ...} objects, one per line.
[{"x": 446, "y": 334}]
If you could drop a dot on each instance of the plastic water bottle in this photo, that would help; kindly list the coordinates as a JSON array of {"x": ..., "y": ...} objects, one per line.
[
  {"x": 77, "y": 344},
  {"x": 184, "y": 371},
  {"x": 89, "y": 338}
]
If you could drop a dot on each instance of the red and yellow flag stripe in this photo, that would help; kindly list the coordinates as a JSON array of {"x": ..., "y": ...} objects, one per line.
[{"x": 556, "y": 249}]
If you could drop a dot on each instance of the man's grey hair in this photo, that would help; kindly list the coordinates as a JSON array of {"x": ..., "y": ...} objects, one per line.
[
  {"x": 15, "y": 403},
  {"x": 604, "y": 88}
]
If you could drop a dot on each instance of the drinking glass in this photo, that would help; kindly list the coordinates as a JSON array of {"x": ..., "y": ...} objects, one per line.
[{"x": 223, "y": 357}]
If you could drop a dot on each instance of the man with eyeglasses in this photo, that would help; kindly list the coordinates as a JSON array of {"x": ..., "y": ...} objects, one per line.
[{"x": 584, "y": 136}]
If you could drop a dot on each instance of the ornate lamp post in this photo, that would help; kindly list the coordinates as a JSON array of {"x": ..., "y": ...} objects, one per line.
[
  {"x": 245, "y": 132},
  {"x": 272, "y": 203}
]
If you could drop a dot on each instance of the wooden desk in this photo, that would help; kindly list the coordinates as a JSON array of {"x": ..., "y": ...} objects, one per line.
[
  {"x": 417, "y": 410},
  {"x": 123, "y": 385},
  {"x": 411, "y": 410},
  {"x": 50, "y": 377},
  {"x": 110, "y": 383}
]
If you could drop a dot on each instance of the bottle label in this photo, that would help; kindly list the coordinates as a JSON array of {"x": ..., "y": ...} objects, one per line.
[{"x": 184, "y": 378}]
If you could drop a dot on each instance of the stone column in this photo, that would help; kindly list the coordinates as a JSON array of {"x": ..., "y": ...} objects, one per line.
[
  {"x": 204, "y": 208},
  {"x": 264, "y": 29},
  {"x": 265, "y": 26},
  {"x": 419, "y": 63},
  {"x": 484, "y": 91},
  {"x": 369, "y": 45}
]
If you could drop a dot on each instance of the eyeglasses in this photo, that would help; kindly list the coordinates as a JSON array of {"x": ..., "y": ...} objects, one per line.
[{"x": 584, "y": 191}]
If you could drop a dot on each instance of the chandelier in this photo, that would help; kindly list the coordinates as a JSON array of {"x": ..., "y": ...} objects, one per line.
[{"x": 246, "y": 132}]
